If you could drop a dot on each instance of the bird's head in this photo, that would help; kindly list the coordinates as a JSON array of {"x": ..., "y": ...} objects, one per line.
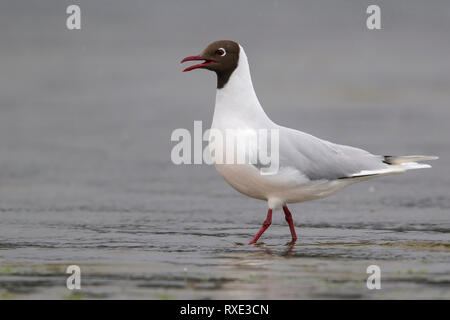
[{"x": 220, "y": 56}]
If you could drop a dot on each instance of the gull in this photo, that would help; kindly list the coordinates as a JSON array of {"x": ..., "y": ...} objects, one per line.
[{"x": 309, "y": 168}]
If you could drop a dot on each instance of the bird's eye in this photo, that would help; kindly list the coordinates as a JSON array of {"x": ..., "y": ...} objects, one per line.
[{"x": 221, "y": 52}]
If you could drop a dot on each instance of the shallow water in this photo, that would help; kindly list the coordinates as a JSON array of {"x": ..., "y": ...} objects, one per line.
[{"x": 86, "y": 176}]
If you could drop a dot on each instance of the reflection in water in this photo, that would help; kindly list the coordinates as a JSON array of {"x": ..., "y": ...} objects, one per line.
[{"x": 287, "y": 252}]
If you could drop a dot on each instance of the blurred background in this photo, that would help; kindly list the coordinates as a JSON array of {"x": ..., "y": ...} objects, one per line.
[{"x": 86, "y": 177}]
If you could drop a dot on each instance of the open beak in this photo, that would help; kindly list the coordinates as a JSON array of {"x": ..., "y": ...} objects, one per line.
[{"x": 197, "y": 66}]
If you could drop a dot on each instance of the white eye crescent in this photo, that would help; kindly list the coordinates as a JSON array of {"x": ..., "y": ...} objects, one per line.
[{"x": 221, "y": 52}]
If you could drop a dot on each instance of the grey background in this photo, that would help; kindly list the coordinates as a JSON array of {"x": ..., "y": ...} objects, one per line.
[{"x": 85, "y": 171}]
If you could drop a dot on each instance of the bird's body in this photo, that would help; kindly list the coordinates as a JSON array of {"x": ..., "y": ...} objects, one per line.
[{"x": 309, "y": 167}]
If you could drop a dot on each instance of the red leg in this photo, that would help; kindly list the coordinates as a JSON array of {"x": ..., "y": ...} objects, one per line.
[
  {"x": 290, "y": 221},
  {"x": 265, "y": 225}
]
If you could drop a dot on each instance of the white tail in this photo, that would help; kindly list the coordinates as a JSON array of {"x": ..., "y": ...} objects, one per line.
[
  {"x": 406, "y": 159},
  {"x": 397, "y": 165}
]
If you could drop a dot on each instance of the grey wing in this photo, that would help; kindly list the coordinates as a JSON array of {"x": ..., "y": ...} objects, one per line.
[{"x": 319, "y": 159}]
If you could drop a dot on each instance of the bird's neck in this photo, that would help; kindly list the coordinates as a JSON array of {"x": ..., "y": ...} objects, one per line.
[{"x": 237, "y": 102}]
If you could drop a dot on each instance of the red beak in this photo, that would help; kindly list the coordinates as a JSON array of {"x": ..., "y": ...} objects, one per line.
[{"x": 201, "y": 65}]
